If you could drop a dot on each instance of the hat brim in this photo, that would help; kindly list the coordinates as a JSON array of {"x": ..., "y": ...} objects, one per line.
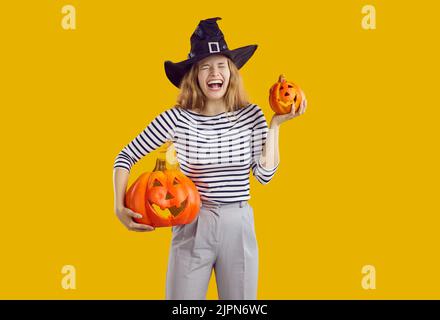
[{"x": 176, "y": 71}]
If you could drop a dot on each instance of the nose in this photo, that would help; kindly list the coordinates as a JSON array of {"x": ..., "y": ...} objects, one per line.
[
  {"x": 169, "y": 196},
  {"x": 214, "y": 70}
]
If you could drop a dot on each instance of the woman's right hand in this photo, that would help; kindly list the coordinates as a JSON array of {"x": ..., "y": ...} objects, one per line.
[{"x": 126, "y": 216}]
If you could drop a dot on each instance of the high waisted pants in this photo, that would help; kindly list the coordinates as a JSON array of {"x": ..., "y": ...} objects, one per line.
[{"x": 221, "y": 238}]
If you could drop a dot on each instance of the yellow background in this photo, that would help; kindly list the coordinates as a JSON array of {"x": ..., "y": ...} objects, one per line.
[{"x": 358, "y": 179}]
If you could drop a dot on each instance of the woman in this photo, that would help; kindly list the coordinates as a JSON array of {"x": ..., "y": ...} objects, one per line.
[{"x": 219, "y": 137}]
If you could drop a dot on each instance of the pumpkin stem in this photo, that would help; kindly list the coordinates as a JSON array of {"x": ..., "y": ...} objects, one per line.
[
  {"x": 281, "y": 78},
  {"x": 160, "y": 165},
  {"x": 161, "y": 161}
]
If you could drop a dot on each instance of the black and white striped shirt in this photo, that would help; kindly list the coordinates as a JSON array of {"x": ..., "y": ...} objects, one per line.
[{"x": 215, "y": 152}]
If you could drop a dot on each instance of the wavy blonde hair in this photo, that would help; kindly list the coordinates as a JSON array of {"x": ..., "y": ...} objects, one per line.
[{"x": 192, "y": 97}]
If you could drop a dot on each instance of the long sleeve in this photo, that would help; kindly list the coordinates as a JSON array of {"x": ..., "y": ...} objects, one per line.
[
  {"x": 259, "y": 135},
  {"x": 157, "y": 132}
]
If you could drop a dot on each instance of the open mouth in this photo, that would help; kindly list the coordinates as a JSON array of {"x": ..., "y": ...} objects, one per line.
[
  {"x": 215, "y": 85},
  {"x": 171, "y": 210}
]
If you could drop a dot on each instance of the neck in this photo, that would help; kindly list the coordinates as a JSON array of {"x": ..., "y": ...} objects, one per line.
[{"x": 214, "y": 107}]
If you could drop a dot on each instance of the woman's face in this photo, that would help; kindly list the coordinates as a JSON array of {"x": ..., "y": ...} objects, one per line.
[{"x": 213, "y": 76}]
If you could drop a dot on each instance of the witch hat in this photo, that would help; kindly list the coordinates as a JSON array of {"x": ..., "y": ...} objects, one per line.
[{"x": 206, "y": 40}]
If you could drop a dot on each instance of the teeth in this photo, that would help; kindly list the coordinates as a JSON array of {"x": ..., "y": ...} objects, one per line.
[{"x": 215, "y": 81}]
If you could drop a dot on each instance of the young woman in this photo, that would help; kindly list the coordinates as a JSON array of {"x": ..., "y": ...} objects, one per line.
[{"x": 219, "y": 138}]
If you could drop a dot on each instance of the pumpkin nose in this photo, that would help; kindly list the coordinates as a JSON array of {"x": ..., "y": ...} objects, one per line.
[{"x": 169, "y": 196}]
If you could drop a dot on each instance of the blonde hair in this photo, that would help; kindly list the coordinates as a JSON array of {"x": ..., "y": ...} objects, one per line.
[{"x": 192, "y": 97}]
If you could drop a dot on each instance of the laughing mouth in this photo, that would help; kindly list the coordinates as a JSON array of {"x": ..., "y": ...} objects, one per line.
[{"x": 215, "y": 84}]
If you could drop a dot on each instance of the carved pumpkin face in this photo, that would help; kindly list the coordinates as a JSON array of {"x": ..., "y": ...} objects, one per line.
[
  {"x": 283, "y": 95},
  {"x": 164, "y": 198}
]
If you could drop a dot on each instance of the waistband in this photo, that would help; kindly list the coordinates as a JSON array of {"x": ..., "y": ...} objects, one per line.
[{"x": 237, "y": 204}]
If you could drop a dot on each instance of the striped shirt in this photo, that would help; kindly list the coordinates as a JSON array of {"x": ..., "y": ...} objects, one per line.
[{"x": 216, "y": 152}]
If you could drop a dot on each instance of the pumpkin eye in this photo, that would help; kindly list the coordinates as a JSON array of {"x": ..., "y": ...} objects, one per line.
[
  {"x": 157, "y": 183},
  {"x": 175, "y": 181},
  {"x": 289, "y": 86}
]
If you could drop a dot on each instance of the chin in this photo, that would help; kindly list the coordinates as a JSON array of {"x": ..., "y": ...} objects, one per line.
[{"x": 215, "y": 96}]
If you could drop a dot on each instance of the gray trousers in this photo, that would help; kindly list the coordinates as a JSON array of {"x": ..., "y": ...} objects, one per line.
[{"x": 222, "y": 238}]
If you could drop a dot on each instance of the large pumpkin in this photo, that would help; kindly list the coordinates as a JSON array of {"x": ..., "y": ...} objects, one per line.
[
  {"x": 283, "y": 95},
  {"x": 164, "y": 197}
]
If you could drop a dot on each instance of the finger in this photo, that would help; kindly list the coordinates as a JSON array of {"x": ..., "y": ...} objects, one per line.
[
  {"x": 303, "y": 106},
  {"x": 140, "y": 227},
  {"x": 297, "y": 112},
  {"x": 292, "y": 111},
  {"x": 139, "y": 230},
  {"x": 134, "y": 214}
]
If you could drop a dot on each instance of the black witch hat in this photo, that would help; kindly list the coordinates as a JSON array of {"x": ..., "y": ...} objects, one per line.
[{"x": 206, "y": 40}]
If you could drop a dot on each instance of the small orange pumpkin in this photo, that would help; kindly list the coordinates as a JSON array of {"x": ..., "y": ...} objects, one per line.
[
  {"x": 283, "y": 95},
  {"x": 164, "y": 197}
]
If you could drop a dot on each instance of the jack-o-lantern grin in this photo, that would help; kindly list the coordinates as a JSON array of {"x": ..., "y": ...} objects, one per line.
[{"x": 165, "y": 212}]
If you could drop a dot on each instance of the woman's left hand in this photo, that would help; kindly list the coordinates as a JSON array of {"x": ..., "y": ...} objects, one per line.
[{"x": 278, "y": 119}]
